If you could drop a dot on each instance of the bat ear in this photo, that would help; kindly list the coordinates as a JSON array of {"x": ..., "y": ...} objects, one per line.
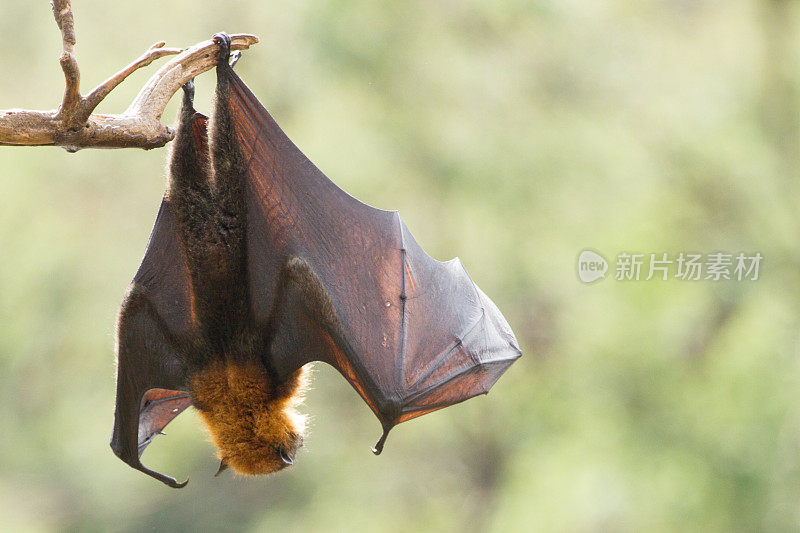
[{"x": 223, "y": 466}]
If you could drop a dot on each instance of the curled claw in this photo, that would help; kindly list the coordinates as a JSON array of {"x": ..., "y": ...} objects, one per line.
[
  {"x": 235, "y": 57},
  {"x": 379, "y": 445}
]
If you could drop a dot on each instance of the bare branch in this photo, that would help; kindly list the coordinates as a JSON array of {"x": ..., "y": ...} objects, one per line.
[
  {"x": 101, "y": 91},
  {"x": 72, "y": 77},
  {"x": 74, "y": 126},
  {"x": 62, "y": 11},
  {"x": 156, "y": 93}
]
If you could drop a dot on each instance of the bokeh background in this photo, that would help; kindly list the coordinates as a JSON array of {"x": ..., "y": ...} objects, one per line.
[{"x": 512, "y": 133}]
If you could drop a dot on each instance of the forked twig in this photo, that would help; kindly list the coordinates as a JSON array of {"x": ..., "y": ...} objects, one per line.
[{"x": 74, "y": 125}]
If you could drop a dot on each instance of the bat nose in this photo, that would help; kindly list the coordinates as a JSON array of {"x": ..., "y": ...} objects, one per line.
[{"x": 297, "y": 440}]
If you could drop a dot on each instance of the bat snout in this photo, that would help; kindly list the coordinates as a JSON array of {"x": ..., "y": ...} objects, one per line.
[{"x": 287, "y": 452}]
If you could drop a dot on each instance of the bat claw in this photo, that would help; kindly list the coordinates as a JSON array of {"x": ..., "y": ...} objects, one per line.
[
  {"x": 166, "y": 480},
  {"x": 379, "y": 445},
  {"x": 235, "y": 57},
  {"x": 176, "y": 485}
]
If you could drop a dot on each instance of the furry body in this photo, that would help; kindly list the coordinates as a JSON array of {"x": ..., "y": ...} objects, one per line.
[
  {"x": 250, "y": 415},
  {"x": 248, "y": 411}
]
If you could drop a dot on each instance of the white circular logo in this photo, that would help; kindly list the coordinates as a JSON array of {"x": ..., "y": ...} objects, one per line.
[{"x": 591, "y": 266}]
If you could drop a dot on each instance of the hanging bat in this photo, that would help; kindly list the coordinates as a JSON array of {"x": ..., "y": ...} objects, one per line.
[{"x": 259, "y": 264}]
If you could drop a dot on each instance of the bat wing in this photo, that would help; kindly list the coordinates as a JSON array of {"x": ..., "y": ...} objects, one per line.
[
  {"x": 157, "y": 314},
  {"x": 335, "y": 280}
]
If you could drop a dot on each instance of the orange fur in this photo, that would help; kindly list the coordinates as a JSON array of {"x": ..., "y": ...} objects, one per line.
[{"x": 250, "y": 418}]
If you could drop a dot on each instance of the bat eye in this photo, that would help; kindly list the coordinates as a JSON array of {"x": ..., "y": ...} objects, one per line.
[{"x": 285, "y": 456}]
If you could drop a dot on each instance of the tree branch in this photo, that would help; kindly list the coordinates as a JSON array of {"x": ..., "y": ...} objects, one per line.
[
  {"x": 74, "y": 125},
  {"x": 62, "y": 11},
  {"x": 101, "y": 91}
]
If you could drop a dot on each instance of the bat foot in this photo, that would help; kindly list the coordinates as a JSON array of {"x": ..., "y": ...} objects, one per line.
[
  {"x": 188, "y": 90},
  {"x": 224, "y": 42},
  {"x": 188, "y": 93}
]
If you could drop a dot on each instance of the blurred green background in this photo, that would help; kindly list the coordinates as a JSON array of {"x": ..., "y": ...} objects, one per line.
[{"x": 512, "y": 133}]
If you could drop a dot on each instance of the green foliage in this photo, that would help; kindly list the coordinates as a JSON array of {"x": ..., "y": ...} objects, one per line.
[{"x": 513, "y": 134}]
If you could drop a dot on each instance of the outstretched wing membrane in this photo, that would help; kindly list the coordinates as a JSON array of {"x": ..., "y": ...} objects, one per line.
[{"x": 410, "y": 333}]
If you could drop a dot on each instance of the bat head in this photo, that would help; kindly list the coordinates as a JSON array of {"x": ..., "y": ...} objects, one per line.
[{"x": 252, "y": 420}]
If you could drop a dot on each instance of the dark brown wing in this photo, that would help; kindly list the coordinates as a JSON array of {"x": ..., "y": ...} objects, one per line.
[
  {"x": 355, "y": 290},
  {"x": 157, "y": 312}
]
